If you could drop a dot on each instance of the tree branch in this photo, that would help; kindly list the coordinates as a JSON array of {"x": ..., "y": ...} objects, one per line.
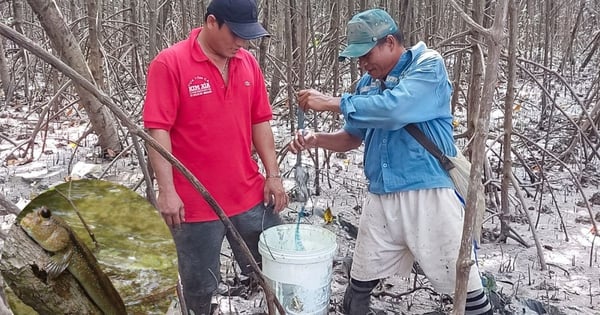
[{"x": 474, "y": 25}]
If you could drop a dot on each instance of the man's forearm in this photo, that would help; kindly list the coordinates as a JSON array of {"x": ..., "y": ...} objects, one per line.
[
  {"x": 333, "y": 105},
  {"x": 339, "y": 141},
  {"x": 162, "y": 168},
  {"x": 263, "y": 140}
]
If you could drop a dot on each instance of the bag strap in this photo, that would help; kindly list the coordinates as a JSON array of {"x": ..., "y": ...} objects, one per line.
[{"x": 414, "y": 131}]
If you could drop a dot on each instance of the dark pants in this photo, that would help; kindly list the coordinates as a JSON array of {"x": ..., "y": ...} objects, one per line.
[{"x": 199, "y": 248}]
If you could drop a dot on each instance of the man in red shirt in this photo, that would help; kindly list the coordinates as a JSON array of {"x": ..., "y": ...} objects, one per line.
[{"x": 207, "y": 103}]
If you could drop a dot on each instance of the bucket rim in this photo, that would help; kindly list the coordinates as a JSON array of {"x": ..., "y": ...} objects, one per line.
[{"x": 315, "y": 255}]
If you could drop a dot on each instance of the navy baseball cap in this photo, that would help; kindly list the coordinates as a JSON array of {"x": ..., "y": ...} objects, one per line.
[
  {"x": 365, "y": 29},
  {"x": 241, "y": 16}
]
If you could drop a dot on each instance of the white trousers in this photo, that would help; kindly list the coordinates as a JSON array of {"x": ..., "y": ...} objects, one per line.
[{"x": 398, "y": 228}]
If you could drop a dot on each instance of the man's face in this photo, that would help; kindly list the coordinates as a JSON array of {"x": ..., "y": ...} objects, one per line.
[
  {"x": 378, "y": 60},
  {"x": 223, "y": 40}
]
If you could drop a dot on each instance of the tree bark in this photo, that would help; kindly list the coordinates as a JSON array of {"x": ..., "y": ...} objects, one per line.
[
  {"x": 137, "y": 62},
  {"x": 4, "y": 309},
  {"x": 508, "y": 121},
  {"x": 568, "y": 57},
  {"x": 95, "y": 56},
  {"x": 6, "y": 208},
  {"x": 18, "y": 8},
  {"x": 407, "y": 22},
  {"x": 103, "y": 124},
  {"x": 548, "y": 47},
  {"x": 494, "y": 37},
  {"x": 264, "y": 42},
  {"x": 334, "y": 29},
  {"x": 457, "y": 68},
  {"x": 185, "y": 21},
  {"x": 353, "y": 69},
  {"x": 152, "y": 29},
  {"x": 474, "y": 93},
  {"x": 4, "y": 74},
  {"x": 21, "y": 266}
]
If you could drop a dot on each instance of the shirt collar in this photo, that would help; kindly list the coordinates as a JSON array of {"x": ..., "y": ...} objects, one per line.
[
  {"x": 197, "y": 53},
  {"x": 406, "y": 59}
]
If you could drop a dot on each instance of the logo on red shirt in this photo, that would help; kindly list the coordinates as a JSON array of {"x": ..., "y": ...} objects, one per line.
[{"x": 199, "y": 86}]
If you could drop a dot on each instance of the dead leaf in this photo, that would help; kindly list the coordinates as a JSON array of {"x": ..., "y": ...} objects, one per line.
[{"x": 328, "y": 216}]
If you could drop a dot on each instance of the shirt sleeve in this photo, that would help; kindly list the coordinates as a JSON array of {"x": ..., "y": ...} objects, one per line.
[
  {"x": 357, "y": 132},
  {"x": 162, "y": 97},
  {"x": 261, "y": 109},
  {"x": 422, "y": 94}
]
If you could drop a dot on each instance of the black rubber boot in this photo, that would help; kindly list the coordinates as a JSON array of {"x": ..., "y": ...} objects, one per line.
[{"x": 358, "y": 296}]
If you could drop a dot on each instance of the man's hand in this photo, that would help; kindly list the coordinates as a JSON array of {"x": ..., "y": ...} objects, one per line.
[
  {"x": 317, "y": 101},
  {"x": 275, "y": 193},
  {"x": 171, "y": 208},
  {"x": 303, "y": 140}
]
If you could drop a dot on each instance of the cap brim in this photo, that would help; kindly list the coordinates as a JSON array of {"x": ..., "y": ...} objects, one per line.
[
  {"x": 247, "y": 30},
  {"x": 356, "y": 50}
]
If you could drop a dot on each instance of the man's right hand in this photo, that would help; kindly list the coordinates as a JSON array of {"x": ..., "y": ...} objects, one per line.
[
  {"x": 171, "y": 208},
  {"x": 304, "y": 139}
]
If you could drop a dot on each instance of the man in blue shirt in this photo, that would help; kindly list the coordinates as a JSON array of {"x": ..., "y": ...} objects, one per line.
[{"x": 411, "y": 211}]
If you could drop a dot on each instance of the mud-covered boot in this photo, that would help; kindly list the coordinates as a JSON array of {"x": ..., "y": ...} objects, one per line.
[{"x": 358, "y": 296}]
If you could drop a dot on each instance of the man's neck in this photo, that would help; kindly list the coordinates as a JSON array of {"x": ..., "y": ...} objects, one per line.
[{"x": 202, "y": 41}]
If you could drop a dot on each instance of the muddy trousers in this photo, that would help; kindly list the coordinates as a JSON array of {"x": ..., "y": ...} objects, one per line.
[{"x": 358, "y": 295}]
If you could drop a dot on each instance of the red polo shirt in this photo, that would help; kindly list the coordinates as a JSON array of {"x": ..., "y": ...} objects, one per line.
[{"x": 210, "y": 124}]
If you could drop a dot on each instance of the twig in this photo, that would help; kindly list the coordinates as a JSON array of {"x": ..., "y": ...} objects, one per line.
[
  {"x": 7, "y": 139},
  {"x": 535, "y": 237},
  {"x": 399, "y": 295},
  {"x": 87, "y": 228},
  {"x": 592, "y": 249},
  {"x": 561, "y": 268},
  {"x": 516, "y": 286},
  {"x": 591, "y": 295}
]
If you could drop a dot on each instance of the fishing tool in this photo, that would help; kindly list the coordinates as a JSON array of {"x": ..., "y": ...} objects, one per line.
[{"x": 301, "y": 178}]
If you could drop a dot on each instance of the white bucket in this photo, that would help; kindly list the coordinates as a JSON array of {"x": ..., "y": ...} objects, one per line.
[{"x": 299, "y": 275}]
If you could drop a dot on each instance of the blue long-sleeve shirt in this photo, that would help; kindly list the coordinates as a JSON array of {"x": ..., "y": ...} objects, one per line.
[{"x": 417, "y": 91}]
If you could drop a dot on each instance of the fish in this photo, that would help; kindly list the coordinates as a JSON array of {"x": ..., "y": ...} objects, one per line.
[{"x": 70, "y": 253}]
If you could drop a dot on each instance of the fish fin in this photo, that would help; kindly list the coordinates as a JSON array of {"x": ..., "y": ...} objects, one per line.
[{"x": 58, "y": 263}]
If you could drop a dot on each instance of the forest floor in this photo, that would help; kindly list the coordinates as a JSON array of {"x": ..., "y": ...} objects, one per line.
[{"x": 569, "y": 285}]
